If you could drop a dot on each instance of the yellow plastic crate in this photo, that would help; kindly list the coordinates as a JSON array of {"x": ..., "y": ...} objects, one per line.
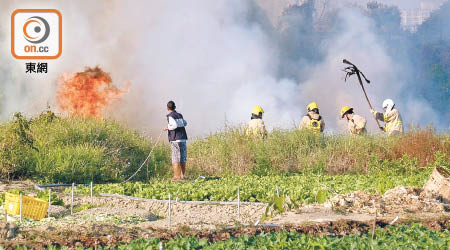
[{"x": 31, "y": 207}]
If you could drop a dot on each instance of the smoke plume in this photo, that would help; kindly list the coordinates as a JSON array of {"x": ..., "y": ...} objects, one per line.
[{"x": 215, "y": 59}]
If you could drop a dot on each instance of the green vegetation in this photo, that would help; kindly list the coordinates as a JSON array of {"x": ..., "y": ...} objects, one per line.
[
  {"x": 43, "y": 195},
  {"x": 413, "y": 236},
  {"x": 400, "y": 237},
  {"x": 231, "y": 152},
  {"x": 303, "y": 188},
  {"x": 82, "y": 207},
  {"x": 51, "y": 149}
]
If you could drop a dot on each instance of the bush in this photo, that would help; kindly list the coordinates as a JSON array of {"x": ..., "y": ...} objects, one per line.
[{"x": 51, "y": 149}]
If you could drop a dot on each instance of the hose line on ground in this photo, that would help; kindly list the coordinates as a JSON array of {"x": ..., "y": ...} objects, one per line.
[{"x": 146, "y": 160}]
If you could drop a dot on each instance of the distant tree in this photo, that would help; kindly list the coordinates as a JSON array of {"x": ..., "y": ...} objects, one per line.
[
  {"x": 387, "y": 20},
  {"x": 431, "y": 50},
  {"x": 299, "y": 40},
  {"x": 436, "y": 27},
  {"x": 434, "y": 73}
]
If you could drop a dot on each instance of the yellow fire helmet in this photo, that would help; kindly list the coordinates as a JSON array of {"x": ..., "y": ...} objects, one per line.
[
  {"x": 257, "y": 109},
  {"x": 344, "y": 110},
  {"x": 312, "y": 106}
]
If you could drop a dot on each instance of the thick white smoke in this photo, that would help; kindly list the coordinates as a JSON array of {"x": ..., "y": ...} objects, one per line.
[
  {"x": 357, "y": 44},
  {"x": 205, "y": 55}
]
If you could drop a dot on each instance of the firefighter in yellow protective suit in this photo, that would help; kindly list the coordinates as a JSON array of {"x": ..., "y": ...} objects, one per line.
[
  {"x": 312, "y": 120},
  {"x": 391, "y": 118},
  {"x": 356, "y": 124},
  {"x": 255, "y": 127}
]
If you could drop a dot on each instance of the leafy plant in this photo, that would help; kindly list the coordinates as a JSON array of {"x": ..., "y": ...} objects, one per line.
[
  {"x": 321, "y": 196},
  {"x": 413, "y": 236},
  {"x": 82, "y": 207},
  {"x": 276, "y": 205},
  {"x": 43, "y": 195},
  {"x": 297, "y": 189}
]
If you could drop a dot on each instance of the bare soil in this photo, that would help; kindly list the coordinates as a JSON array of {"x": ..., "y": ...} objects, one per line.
[{"x": 113, "y": 220}]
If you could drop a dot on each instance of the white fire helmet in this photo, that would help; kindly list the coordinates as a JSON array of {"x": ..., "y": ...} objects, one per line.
[{"x": 388, "y": 105}]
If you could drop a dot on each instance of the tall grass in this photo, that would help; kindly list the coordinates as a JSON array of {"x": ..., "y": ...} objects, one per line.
[
  {"x": 232, "y": 152},
  {"x": 63, "y": 150},
  {"x": 54, "y": 149}
]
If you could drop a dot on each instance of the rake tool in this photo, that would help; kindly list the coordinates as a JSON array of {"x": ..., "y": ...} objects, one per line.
[{"x": 352, "y": 70}]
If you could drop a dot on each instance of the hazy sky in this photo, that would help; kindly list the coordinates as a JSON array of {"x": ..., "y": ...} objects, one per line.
[{"x": 407, "y": 4}]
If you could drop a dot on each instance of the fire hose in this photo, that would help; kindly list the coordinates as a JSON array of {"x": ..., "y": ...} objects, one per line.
[{"x": 146, "y": 159}]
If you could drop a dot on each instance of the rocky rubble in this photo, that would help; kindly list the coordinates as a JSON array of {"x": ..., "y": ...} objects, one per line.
[
  {"x": 399, "y": 200},
  {"x": 8, "y": 230}
]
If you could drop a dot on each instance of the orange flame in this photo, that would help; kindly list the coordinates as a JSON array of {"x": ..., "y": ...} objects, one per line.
[{"x": 87, "y": 93}]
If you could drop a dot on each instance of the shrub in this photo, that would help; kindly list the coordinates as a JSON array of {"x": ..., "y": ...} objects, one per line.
[{"x": 53, "y": 149}]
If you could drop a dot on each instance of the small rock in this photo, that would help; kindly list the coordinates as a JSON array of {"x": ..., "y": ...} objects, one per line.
[{"x": 8, "y": 230}]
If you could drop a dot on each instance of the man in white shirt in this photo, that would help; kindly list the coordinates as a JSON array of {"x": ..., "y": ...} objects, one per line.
[{"x": 177, "y": 137}]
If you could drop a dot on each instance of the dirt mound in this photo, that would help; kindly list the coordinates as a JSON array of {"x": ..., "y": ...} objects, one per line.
[
  {"x": 27, "y": 186},
  {"x": 399, "y": 200}
]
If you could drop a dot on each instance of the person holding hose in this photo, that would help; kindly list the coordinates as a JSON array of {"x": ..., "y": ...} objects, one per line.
[
  {"x": 255, "y": 127},
  {"x": 356, "y": 124},
  {"x": 391, "y": 118},
  {"x": 312, "y": 120},
  {"x": 177, "y": 137}
]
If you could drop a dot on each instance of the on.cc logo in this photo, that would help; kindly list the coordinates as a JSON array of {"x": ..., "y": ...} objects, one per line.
[
  {"x": 36, "y": 34},
  {"x": 39, "y": 26}
]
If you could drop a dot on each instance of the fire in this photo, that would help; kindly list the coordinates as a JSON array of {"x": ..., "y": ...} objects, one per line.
[{"x": 87, "y": 93}]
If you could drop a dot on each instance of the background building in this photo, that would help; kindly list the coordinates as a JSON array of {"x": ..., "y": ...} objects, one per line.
[{"x": 411, "y": 18}]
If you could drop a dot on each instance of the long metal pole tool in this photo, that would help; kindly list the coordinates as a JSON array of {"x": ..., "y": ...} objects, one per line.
[{"x": 351, "y": 70}]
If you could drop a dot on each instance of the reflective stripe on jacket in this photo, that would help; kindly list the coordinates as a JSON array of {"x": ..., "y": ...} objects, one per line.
[
  {"x": 393, "y": 121},
  {"x": 312, "y": 121}
]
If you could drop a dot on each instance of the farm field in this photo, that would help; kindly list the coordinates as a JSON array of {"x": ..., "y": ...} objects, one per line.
[
  {"x": 328, "y": 185},
  {"x": 340, "y": 235},
  {"x": 413, "y": 236},
  {"x": 301, "y": 189},
  {"x": 111, "y": 220}
]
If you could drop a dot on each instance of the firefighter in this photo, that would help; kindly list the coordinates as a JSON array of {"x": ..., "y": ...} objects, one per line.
[
  {"x": 255, "y": 127},
  {"x": 391, "y": 118},
  {"x": 312, "y": 120},
  {"x": 356, "y": 124}
]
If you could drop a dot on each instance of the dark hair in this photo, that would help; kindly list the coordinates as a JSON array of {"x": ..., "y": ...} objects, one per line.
[
  {"x": 259, "y": 116},
  {"x": 171, "y": 105},
  {"x": 350, "y": 111}
]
